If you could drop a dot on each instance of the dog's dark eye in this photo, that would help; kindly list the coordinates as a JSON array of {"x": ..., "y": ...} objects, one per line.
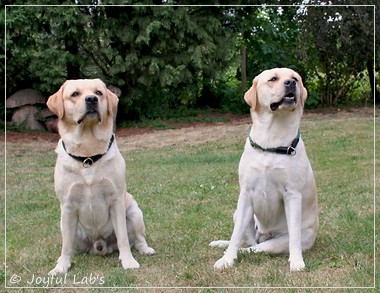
[
  {"x": 75, "y": 94},
  {"x": 274, "y": 78},
  {"x": 99, "y": 93},
  {"x": 294, "y": 78}
]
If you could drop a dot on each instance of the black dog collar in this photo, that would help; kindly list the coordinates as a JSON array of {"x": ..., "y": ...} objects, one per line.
[
  {"x": 88, "y": 161},
  {"x": 284, "y": 150}
]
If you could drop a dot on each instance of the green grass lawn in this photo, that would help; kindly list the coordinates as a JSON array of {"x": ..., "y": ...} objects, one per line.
[{"x": 188, "y": 194}]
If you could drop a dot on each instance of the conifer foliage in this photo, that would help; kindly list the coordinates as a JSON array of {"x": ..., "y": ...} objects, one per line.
[
  {"x": 166, "y": 56},
  {"x": 158, "y": 56}
]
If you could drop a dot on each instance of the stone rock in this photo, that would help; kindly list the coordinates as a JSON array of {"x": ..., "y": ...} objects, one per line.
[
  {"x": 25, "y": 97},
  {"x": 46, "y": 113},
  {"x": 25, "y": 116},
  {"x": 52, "y": 124}
]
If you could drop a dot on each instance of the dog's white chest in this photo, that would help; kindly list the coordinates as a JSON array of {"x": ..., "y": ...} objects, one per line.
[
  {"x": 93, "y": 204},
  {"x": 264, "y": 179},
  {"x": 266, "y": 172}
]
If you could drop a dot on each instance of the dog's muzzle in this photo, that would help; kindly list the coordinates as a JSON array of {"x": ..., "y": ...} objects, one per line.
[
  {"x": 91, "y": 103},
  {"x": 290, "y": 95},
  {"x": 92, "y": 111}
]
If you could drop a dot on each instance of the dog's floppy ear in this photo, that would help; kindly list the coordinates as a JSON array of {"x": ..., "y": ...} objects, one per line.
[
  {"x": 251, "y": 95},
  {"x": 303, "y": 94},
  {"x": 55, "y": 103},
  {"x": 112, "y": 101}
]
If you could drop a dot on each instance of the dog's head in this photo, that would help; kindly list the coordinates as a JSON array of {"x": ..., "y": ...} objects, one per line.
[
  {"x": 277, "y": 89},
  {"x": 83, "y": 101}
]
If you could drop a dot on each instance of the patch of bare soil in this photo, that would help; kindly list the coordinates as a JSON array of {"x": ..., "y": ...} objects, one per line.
[
  {"x": 194, "y": 133},
  {"x": 184, "y": 133},
  {"x": 135, "y": 138}
]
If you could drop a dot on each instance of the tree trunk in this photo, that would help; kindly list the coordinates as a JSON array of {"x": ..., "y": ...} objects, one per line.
[
  {"x": 73, "y": 68},
  {"x": 244, "y": 69},
  {"x": 371, "y": 75}
]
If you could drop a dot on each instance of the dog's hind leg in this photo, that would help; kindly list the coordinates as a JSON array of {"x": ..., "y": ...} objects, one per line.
[
  {"x": 248, "y": 237},
  {"x": 220, "y": 243},
  {"x": 136, "y": 229}
]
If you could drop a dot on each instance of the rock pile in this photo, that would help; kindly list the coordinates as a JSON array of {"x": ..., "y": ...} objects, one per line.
[{"x": 29, "y": 110}]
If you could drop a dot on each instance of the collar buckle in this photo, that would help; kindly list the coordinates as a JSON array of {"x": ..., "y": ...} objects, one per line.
[
  {"x": 291, "y": 151},
  {"x": 88, "y": 162}
]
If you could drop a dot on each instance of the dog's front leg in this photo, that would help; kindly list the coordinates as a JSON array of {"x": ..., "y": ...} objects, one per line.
[
  {"x": 243, "y": 216},
  {"x": 117, "y": 214},
  {"x": 69, "y": 224},
  {"x": 293, "y": 211}
]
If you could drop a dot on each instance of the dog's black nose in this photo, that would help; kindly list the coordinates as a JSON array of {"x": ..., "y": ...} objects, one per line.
[
  {"x": 91, "y": 100},
  {"x": 290, "y": 83}
]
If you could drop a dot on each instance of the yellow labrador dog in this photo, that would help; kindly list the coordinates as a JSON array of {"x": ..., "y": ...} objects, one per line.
[
  {"x": 277, "y": 209},
  {"x": 97, "y": 213}
]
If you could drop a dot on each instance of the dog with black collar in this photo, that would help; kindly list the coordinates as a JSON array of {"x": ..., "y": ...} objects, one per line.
[
  {"x": 97, "y": 213},
  {"x": 277, "y": 209}
]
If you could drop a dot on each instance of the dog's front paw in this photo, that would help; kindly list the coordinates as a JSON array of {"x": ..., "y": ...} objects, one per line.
[
  {"x": 129, "y": 263},
  {"x": 224, "y": 263},
  {"x": 296, "y": 264},
  {"x": 62, "y": 266}
]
